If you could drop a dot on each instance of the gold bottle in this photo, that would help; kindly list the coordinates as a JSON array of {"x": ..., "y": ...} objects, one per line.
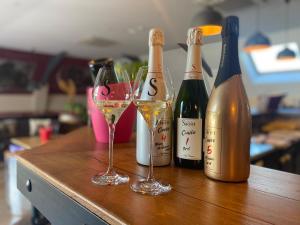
[{"x": 228, "y": 119}]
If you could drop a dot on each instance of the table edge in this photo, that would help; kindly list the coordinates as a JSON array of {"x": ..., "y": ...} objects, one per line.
[{"x": 101, "y": 212}]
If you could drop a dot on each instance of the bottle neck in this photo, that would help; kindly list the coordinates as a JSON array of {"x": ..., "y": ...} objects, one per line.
[
  {"x": 154, "y": 87},
  {"x": 193, "y": 70},
  {"x": 229, "y": 65},
  {"x": 155, "y": 62}
]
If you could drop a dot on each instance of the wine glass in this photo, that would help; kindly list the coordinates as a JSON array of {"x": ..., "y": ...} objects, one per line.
[
  {"x": 112, "y": 95},
  {"x": 153, "y": 94}
]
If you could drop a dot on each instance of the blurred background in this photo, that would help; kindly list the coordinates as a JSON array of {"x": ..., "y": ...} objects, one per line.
[{"x": 46, "y": 48}]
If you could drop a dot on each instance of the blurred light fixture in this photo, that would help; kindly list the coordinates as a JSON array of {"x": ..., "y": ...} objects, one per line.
[
  {"x": 97, "y": 41},
  {"x": 209, "y": 20},
  {"x": 258, "y": 40},
  {"x": 286, "y": 53}
]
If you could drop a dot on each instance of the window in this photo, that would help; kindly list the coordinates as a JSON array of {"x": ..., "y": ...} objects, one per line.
[
  {"x": 262, "y": 66},
  {"x": 265, "y": 61}
]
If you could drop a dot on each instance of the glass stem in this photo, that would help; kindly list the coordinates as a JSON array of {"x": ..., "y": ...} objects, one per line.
[
  {"x": 111, "y": 129},
  {"x": 150, "y": 173}
]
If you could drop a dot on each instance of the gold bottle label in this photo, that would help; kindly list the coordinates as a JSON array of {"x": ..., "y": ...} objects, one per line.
[{"x": 212, "y": 144}]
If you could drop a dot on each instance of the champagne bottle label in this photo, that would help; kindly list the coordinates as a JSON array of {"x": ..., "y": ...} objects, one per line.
[
  {"x": 212, "y": 141},
  {"x": 154, "y": 86},
  {"x": 162, "y": 140},
  {"x": 189, "y": 138}
]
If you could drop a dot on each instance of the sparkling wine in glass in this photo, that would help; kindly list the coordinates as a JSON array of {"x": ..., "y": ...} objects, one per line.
[
  {"x": 152, "y": 107},
  {"x": 112, "y": 94}
]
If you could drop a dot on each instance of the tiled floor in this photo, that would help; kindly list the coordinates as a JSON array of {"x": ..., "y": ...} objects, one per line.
[{"x": 14, "y": 208}]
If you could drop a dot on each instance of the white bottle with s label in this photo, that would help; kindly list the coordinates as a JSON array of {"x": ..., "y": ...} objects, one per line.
[{"x": 163, "y": 134}]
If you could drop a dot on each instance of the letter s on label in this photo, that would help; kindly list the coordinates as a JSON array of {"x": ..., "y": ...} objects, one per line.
[{"x": 152, "y": 81}]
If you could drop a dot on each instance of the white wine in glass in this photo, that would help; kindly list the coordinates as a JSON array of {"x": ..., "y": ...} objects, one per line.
[
  {"x": 151, "y": 110},
  {"x": 112, "y": 94},
  {"x": 113, "y": 109}
]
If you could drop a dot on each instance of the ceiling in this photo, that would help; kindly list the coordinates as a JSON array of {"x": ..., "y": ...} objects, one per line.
[{"x": 117, "y": 26}]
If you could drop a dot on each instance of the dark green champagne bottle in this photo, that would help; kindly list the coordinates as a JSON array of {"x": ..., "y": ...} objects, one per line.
[
  {"x": 107, "y": 63},
  {"x": 190, "y": 108}
]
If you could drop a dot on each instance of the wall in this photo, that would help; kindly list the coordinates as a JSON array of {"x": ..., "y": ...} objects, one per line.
[
  {"x": 29, "y": 103},
  {"x": 16, "y": 100}
]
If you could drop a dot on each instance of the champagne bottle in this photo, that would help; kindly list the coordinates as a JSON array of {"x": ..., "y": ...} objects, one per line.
[
  {"x": 190, "y": 108},
  {"x": 96, "y": 64},
  {"x": 228, "y": 120},
  {"x": 155, "y": 81}
]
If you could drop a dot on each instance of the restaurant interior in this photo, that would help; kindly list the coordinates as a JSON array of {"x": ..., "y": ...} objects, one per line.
[{"x": 49, "y": 52}]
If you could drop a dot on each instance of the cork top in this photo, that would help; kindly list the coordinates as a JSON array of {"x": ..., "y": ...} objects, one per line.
[
  {"x": 194, "y": 36},
  {"x": 156, "y": 37}
]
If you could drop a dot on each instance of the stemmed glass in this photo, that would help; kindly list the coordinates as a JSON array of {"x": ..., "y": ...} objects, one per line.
[
  {"x": 112, "y": 94},
  {"x": 153, "y": 94}
]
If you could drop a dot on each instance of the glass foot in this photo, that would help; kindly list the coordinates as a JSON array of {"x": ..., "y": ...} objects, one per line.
[
  {"x": 110, "y": 178},
  {"x": 151, "y": 187}
]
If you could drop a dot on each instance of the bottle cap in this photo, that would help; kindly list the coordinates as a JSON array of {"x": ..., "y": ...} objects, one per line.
[
  {"x": 230, "y": 26},
  {"x": 156, "y": 37},
  {"x": 194, "y": 36}
]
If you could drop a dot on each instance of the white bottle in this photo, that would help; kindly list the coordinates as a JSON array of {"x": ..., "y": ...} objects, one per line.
[{"x": 163, "y": 134}]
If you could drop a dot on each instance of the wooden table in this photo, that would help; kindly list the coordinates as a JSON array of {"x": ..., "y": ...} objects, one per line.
[
  {"x": 27, "y": 142},
  {"x": 56, "y": 179},
  {"x": 31, "y": 142},
  {"x": 17, "y": 203}
]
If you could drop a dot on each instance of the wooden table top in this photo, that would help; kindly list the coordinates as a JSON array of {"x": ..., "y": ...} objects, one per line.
[
  {"x": 26, "y": 142},
  {"x": 29, "y": 142},
  {"x": 69, "y": 162}
]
